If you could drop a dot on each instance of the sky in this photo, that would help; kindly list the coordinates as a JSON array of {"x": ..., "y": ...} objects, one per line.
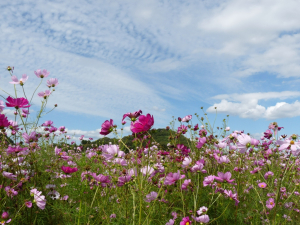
[{"x": 165, "y": 57}]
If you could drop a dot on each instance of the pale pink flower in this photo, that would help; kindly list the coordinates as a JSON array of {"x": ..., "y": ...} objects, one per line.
[
  {"x": 186, "y": 162},
  {"x": 44, "y": 94},
  {"x": 39, "y": 199},
  {"x": 2, "y": 106},
  {"x": 147, "y": 171},
  {"x": 262, "y": 185},
  {"x": 53, "y": 82},
  {"x": 185, "y": 184},
  {"x": 224, "y": 177},
  {"x": 223, "y": 159},
  {"x": 171, "y": 178},
  {"x": 270, "y": 203},
  {"x": 202, "y": 210},
  {"x": 21, "y": 81},
  {"x": 186, "y": 118},
  {"x": 9, "y": 175},
  {"x": 244, "y": 142},
  {"x": 291, "y": 144},
  {"x": 41, "y": 74},
  {"x": 151, "y": 197}
]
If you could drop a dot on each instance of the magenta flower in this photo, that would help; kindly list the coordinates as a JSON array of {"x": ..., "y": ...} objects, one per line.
[
  {"x": 39, "y": 199},
  {"x": 201, "y": 142},
  {"x": 104, "y": 180},
  {"x": 186, "y": 221},
  {"x": 270, "y": 203},
  {"x": 15, "y": 149},
  {"x": 44, "y": 94},
  {"x": 3, "y": 121},
  {"x": 9, "y": 175},
  {"x": 224, "y": 177},
  {"x": 17, "y": 102},
  {"x": 53, "y": 82},
  {"x": 21, "y": 81},
  {"x": 123, "y": 180},
  {"x": 268, "y": 174},
  {"x": 182, "y": 129},
  {"x": 209, "y": 180},
  {"x": 268, "y": 134},
  {"x": 10, "y": 192},
  {"x": 186, "y": 118},
  {"x": 185, "y": 184},
  {"x": 47, "y": 123},
  {"x": 41, "y": 74},
  {"x": 69, "y": 170},
  {"x": 132, "y": 116},
  {"x": 28, "y": 204},
  {"x": 197, "y": 167},
  {"x": 144, "y": 123},
  {"x": 232, "y": 196},
  {"x": 171, "y": 178},
  {"x": 30, "y": 138},
  {"x": 151, "y": 197},
  {"x": 107, "y": 127},
  {"x": 262, "y": 185}
]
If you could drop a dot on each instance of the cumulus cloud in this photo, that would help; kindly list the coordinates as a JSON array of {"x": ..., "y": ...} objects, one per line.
[{"x": 247, "y": 106}]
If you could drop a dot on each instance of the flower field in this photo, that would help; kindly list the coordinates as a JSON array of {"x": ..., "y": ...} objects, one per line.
[{"x": 219, "y": 177}]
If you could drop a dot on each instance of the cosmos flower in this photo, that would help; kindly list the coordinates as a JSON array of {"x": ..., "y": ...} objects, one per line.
[
  {"x": 132, "y": 116},
  {"x": 107, "y": 127},
  {"x": 53, "y": 82},
  {"x": 21, "y": 81},
  {"x": 144, "y": 123},
  {"x": 17, "y": 102},
  {"x": 41, "y": 74}
]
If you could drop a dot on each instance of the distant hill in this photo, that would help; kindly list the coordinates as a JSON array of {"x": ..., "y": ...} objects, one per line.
[{"x": 161, "y": 136}]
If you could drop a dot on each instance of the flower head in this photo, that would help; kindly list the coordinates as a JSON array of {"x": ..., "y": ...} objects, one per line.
[
  {"x": 17, "y": 102},
  {"x": 144, "y": 123},
  {"x": 39, "y": 199},
  {"x": 21, "y": 81},
  {"x": 150, "y": 197},
  {"x": 3, "y": 121},
  {"x": 262, "y": 185},
  {"x": 107, "y": 127},
  {"x": 69, "y": 170},
  {"x": 44, "y": 94},
  {"x": 41, "y": 74},
  {"x": 186, "y": 221},
  {"x": 186, "y": 118},
  {"x": 270, "y": 203},
  {"x": 53, "y": 82},
  {"x": 132, "y": 116}
]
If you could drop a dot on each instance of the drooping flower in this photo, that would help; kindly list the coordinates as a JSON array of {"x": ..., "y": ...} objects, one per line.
[
  {"x": 232, "y": 196},
  {"x": 39, "y": 199},
  {"x": 21, "y": 81},
  {"x": 151, "y": 197},
  {"x": 270, "y": 203},
  {"x": 9, "y": 175},
  {"x": 144, "y": 123},
  {"x": 69, "y": 170},
  {"x": 41, "y": 74},
  {"x": 186, "y": 118},
  {"x": 107, "y": 127},
  {"x": 10, "y": 191},
  {"x": 133, "y": 116},
  {"x": 3, "y": 121},
  {"x": 53, "y": 82},
  {"x": 201, "y": 142},
  {"x": 17, "y": 102},
  {"x": 44, "y": 94}
]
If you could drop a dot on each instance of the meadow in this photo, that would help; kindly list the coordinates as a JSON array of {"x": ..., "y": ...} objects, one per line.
[{"x": 217, "y": 177}]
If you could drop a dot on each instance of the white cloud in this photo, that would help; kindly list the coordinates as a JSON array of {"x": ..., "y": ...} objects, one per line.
[{"x": 246, "y": 105}]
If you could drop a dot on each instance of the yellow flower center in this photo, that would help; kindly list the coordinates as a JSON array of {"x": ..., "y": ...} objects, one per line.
[{"x": 292, "y": 142}]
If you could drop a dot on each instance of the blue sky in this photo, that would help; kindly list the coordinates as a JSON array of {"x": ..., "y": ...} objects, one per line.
[{"x": 167, "y": 58}]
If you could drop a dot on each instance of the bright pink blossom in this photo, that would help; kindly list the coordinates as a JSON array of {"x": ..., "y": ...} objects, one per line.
[
  {"x": 186, "y": 221},
  {"x": 262, "y": 185},
  {"x": 17, "y": 102},
  {"x": 270, "y": 203},
  {"x": 224, "y": 177},
  {"x": 132, "y": 116},
  {"x": 69, "y": 170},
  {"x": 107, "y": 127},
  {"x": 3, "y": 121},
  {"x": 201, "y": 142},
  {"x": 144, "y": 123}
]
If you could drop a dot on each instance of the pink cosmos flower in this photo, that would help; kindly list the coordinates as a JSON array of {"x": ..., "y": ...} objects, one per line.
[
  {"x": 270, "y": 203},
  {"x": 3, "y": 121},
  {"x": 10, "y": 192},
  {"x": 232, "y": 196},
  {"x": 39, "y": 199},
  {"x": 202, "y": 210},
  {"x": 170, "y": 222},
  {"x": 147, "y": 171},
  {"x": 47, "y": 123},
  {"x": 223, "y": 160},
  {"x": 107, "y": 127},
  {"x": 201, "y": 142},
  {"x": 186, "y": 221},
  {"x": 21, "y": 81},
  {"x": 171, "y": 178},
  {"x": 227, "y": 128},
  {"x": 17, "y": 102},
  {"x": 30, "y": 138},
  {"x": 186, "y": 118},
  {"x": 151, "y": 197},
  {"x": 268, "y": 174},
  {"x": 5, "y": 215},
  {"x": 185, "y": 184},
  {"x": 104, "y": 180},
  {"x": 132, "y": 116},
  {"x": 203, "y": 219},
  {"x": 182, "y": 129},
  {"x": 44, "y": 94},
  {"x": 268, "y": 134},
  {"x": 123, "y": 180},
  {"x": 209, "y": 180},
  {"x": 144, "y": 123},
  {"x": 197, "y": 167},
  {"x": 291, "y": 144},
  {"x": 53, "y": 82},
  {"x": 244, "y": 142},
  {"x": 9, "y": 175},
  {"x": 262, "y": 185},
  {"x": 224, "y": 177},
  {"x": 15, "y": 149},
  {"x": 186, "y": 162},
  {"x": 69, "y": 170},
  {"x": 41, "y": 74}
]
